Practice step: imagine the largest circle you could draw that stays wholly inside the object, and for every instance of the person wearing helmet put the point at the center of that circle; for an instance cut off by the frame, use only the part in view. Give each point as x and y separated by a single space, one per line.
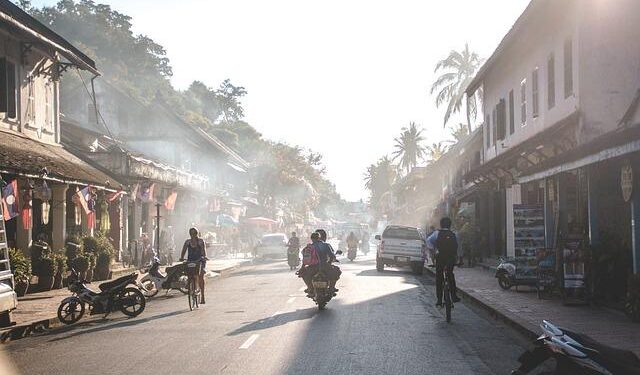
328 256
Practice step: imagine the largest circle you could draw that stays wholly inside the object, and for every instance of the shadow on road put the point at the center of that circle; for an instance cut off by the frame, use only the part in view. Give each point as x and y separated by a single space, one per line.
278 320
104 325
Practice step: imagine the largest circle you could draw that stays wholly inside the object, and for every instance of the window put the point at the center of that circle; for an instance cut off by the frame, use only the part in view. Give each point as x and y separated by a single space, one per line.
487 131
523 102
551 82
494 127
512 127
501 114
30 115
534 94
568 68
48 106
8 93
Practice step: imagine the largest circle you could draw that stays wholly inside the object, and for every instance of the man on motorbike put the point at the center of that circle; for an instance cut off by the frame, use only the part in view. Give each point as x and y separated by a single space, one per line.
196 252
326 250
352 241
294 242
445 244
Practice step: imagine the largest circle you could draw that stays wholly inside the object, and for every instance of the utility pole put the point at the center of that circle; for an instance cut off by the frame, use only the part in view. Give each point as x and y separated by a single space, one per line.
158 230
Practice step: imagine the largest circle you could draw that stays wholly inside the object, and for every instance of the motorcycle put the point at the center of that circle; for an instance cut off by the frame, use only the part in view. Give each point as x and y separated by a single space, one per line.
154 280
352 252
114 295
365 246
321 293
293 259
576 354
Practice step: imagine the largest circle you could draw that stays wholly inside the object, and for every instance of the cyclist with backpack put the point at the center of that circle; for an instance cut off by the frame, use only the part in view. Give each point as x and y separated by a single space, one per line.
445 243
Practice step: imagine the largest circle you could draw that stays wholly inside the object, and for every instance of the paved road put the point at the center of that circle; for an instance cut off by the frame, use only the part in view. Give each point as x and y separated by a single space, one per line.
257 321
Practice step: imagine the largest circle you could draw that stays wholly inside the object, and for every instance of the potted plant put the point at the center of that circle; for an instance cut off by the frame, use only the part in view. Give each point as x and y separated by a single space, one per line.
103 261
46 273
81 265
92 265
632 305
61 269
73 248
21 269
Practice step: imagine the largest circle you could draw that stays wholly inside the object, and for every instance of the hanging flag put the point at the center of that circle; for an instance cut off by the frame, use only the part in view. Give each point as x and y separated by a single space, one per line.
91 220
134 192
91 215
113 196
82 198
10 200
170 203
27 222
105 222
145 193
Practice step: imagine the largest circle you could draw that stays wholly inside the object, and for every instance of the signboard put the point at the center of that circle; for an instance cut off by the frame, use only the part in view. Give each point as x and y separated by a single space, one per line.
626 181
528 225
573 264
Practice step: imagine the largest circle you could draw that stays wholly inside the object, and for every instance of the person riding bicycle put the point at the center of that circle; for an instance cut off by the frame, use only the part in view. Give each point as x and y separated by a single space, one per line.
445 243
196 252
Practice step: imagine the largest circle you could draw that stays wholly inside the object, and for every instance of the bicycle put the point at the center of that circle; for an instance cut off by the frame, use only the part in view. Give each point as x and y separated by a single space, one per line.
193 294
447 295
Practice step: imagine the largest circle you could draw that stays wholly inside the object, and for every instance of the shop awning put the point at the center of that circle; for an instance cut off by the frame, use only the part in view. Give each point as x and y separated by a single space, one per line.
27 157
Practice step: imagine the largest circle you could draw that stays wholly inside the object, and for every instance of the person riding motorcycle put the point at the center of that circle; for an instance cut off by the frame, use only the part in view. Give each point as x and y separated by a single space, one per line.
352 241
333 272
196 252
445 243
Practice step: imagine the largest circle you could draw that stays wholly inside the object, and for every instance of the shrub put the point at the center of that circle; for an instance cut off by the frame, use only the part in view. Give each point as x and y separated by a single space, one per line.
92 260
103 260
81 263
60 261
47 266
97 244
20 266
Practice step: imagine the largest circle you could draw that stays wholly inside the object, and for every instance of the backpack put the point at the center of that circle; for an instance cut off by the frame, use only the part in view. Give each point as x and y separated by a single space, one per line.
310 255
447 245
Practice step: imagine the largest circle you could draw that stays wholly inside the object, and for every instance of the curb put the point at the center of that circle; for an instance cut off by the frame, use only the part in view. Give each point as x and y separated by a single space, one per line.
521 327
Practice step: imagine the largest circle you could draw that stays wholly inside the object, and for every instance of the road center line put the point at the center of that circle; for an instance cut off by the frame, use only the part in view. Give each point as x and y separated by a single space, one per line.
249 341
290 300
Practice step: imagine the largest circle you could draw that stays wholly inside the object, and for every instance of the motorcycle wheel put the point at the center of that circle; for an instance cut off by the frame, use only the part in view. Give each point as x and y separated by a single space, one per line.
504 282
148 288
132 302
70 311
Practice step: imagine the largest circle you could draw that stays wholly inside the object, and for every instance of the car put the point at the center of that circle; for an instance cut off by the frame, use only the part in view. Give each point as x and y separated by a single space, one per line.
401 246
272 246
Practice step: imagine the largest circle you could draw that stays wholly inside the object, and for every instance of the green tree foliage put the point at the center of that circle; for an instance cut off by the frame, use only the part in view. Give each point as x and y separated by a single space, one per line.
436 150
458 70
379 179
460 132
409 148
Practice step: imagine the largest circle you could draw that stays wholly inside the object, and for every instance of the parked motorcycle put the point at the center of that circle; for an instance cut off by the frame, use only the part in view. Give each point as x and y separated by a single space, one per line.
576 354
154 280
114 295
352 252
293 258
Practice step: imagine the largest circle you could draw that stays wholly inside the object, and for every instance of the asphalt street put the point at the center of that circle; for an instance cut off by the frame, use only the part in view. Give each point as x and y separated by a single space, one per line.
258 321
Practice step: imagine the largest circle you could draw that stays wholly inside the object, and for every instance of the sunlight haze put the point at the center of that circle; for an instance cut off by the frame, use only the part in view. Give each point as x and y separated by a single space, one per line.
338 77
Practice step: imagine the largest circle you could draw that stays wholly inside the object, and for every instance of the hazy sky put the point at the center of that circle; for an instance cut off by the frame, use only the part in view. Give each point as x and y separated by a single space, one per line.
340 77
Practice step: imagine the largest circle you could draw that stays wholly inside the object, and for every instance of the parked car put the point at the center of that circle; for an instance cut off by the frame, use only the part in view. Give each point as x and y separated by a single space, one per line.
401 246
272 246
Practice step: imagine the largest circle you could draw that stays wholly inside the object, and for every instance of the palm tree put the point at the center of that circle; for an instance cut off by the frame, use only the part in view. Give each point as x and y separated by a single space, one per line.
460 132
458 68
436 151
409 148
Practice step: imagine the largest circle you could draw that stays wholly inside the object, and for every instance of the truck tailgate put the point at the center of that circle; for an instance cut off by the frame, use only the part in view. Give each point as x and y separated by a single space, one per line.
400 247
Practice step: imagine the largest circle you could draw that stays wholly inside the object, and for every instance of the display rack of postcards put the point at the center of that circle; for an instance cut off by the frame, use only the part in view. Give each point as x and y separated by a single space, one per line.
529 236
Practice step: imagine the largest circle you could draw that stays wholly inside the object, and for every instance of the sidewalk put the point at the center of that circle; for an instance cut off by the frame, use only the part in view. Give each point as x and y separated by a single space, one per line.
525 311
38 311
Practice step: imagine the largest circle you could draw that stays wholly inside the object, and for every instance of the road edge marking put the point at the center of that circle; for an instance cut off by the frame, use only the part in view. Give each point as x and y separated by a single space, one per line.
247 344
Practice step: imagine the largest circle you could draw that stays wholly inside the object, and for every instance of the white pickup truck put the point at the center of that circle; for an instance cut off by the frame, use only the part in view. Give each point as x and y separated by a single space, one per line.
401 246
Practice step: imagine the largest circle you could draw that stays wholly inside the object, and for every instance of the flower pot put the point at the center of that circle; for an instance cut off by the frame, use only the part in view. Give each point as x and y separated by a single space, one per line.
57 281
21 289
45 283
101 273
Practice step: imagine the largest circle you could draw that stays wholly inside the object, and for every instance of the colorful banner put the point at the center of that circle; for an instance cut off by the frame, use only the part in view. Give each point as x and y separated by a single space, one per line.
170 202
10 200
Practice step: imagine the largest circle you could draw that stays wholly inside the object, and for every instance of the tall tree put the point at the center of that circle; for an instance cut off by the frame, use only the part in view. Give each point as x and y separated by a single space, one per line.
460 132
408 147
229 96
379 179
436 150
458 70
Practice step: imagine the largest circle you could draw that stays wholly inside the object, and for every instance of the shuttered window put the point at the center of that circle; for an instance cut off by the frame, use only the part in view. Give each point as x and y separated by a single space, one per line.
8 93
501 114
487 130
523 102
568 68
551 82
535 94
512 125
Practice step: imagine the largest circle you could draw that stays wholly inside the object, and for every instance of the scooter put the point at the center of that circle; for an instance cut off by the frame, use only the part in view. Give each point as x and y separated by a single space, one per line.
352 252
293 259
576 354
154 280
114 295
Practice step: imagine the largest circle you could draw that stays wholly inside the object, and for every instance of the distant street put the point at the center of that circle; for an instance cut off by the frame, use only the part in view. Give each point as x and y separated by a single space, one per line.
257 321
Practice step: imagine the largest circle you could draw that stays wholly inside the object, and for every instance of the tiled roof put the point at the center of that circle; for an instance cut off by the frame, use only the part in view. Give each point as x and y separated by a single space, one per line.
20 154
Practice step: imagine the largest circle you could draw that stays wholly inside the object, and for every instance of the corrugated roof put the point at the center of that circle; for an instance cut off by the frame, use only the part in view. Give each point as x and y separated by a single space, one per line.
22 155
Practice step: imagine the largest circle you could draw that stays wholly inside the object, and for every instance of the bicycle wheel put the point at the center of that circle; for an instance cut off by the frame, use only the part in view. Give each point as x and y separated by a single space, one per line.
447 301
191 292
196 295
